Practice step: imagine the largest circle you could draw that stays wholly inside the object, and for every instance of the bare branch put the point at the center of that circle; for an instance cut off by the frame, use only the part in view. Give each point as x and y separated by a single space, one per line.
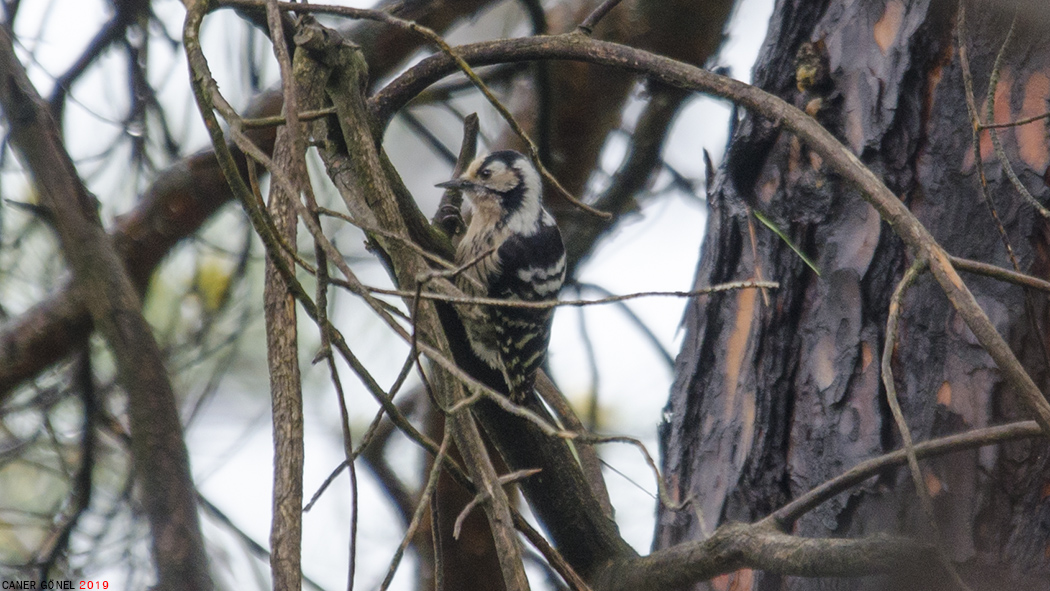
921 488
282 339
1017 123
734 546
588 24
481 498
732 286
421 507
661 486
1001 274
788 514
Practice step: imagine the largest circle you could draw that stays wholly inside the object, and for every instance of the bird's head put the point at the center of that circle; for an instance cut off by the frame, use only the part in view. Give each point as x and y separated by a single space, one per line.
506 180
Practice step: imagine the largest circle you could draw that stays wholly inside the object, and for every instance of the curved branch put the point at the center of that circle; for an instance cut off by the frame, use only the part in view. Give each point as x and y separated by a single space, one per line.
734 546
788 514
996 272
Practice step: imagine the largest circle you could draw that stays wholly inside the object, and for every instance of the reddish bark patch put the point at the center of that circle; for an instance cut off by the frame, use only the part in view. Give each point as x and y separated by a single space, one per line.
735 581
933 484
889 25
1032 138
944 394
737 349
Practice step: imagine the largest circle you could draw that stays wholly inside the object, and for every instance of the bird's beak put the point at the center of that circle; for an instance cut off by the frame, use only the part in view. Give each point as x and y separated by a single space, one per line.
460 184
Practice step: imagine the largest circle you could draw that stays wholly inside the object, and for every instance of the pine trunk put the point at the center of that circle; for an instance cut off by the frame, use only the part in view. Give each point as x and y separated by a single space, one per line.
773 397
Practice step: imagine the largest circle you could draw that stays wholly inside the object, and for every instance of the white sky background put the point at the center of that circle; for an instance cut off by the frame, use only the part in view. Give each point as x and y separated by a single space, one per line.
230 442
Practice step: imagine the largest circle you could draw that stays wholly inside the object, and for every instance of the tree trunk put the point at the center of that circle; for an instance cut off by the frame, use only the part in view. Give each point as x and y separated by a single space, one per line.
774 397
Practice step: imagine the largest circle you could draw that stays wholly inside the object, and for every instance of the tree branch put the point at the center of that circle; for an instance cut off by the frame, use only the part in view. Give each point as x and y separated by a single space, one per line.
734 546
282 338
788 514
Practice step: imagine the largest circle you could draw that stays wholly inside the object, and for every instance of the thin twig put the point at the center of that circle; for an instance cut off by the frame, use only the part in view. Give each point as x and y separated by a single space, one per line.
665 497
588 24
1018 123
254 547
348 450
417 518
325 484
276 120
638 322
435 540
971 106
373 428
1000 273
429 137
352 568
482 497
433 258
997 145
371 432
788 514
921 488
557 303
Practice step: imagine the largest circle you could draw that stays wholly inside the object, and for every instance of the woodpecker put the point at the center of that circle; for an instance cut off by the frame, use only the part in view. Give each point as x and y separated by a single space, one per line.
515 252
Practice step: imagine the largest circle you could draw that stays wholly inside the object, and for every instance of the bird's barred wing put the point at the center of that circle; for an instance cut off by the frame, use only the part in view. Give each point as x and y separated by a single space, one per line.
532 268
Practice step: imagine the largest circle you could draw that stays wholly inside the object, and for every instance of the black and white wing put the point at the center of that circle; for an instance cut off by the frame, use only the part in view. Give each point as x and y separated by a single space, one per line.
531 269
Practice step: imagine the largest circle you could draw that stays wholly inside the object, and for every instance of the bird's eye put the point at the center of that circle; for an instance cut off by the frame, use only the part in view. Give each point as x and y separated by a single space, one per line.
485 174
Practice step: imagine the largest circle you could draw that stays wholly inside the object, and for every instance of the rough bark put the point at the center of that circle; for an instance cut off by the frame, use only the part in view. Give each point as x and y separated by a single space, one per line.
771 400
282 337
